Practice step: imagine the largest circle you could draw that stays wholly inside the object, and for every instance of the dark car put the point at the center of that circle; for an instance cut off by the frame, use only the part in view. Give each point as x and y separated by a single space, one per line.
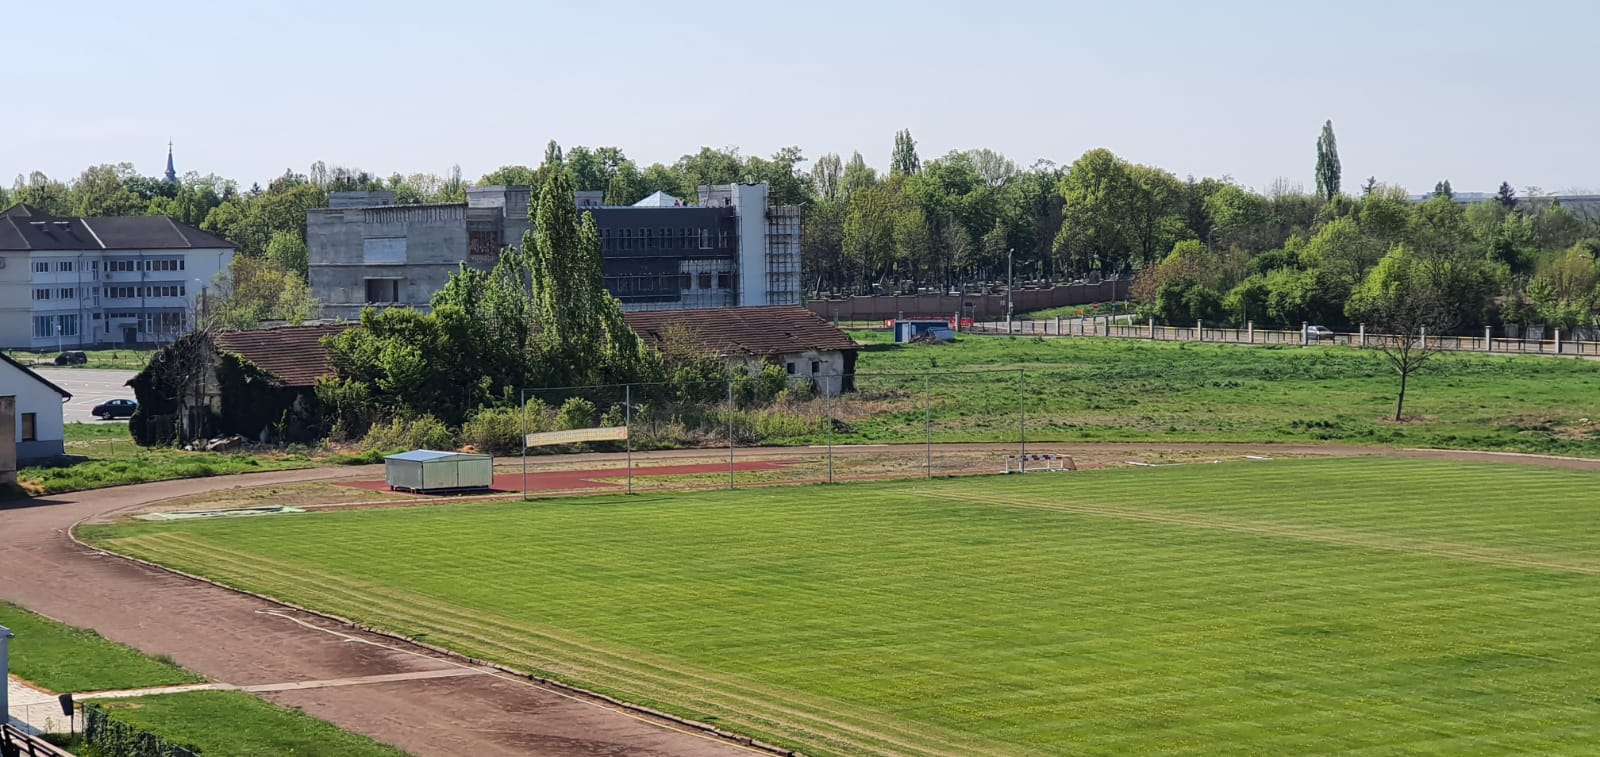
114 409
71 358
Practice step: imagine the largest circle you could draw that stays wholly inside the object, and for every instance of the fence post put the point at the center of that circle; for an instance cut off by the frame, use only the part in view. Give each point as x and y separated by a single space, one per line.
627 426
1305 339
1363 329
1488 341
5 669
523 394
1022 419
1058 325
1152 329
827 411
1200 331
730 430
1250 330
1558 341
927 420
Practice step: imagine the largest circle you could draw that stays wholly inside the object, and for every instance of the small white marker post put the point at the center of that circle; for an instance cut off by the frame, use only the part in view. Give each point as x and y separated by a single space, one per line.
5 673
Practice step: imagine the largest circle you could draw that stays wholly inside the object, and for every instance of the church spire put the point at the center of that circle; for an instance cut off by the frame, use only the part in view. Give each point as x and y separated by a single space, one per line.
172 175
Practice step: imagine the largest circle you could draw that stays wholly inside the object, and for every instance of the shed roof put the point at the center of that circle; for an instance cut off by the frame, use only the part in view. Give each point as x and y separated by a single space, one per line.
755 331
428 455
293 355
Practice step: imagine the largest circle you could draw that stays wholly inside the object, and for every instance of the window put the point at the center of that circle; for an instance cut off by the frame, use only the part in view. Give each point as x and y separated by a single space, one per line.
383 290
42 326
816 367
705 239
384 251
790 366
97 291
66 293
40 266
724 281
41 294
68 324
705 281
94 265
684 283
64 266
30 427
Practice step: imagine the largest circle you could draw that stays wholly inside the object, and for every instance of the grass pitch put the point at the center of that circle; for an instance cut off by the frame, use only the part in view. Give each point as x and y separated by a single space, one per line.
1263 607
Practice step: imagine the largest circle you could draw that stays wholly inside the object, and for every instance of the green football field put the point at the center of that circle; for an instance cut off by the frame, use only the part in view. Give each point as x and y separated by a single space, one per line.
1272 607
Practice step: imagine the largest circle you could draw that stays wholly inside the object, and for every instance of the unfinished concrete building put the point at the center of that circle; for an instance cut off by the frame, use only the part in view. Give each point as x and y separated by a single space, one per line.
662 253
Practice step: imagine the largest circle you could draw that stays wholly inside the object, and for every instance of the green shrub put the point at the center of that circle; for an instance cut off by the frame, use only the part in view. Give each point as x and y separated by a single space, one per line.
576 412
426 432
498 430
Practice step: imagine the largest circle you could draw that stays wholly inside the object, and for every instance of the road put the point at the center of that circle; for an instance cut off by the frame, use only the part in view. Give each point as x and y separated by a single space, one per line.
89 387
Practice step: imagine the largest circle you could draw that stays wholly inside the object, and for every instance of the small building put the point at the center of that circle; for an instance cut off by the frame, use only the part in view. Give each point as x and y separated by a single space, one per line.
790 336
257 383
906 331
425 471
36 431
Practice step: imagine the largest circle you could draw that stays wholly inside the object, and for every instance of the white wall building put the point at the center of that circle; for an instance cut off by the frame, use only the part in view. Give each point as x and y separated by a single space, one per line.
68 283
37 429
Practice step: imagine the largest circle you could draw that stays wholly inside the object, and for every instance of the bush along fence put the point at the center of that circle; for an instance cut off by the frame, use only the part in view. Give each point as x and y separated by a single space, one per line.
113 738
1150 330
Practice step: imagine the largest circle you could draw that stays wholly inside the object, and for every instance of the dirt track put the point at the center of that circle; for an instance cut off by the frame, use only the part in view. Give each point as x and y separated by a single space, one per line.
237 639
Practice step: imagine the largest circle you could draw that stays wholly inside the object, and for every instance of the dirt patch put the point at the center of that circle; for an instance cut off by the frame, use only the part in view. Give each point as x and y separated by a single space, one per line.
291 495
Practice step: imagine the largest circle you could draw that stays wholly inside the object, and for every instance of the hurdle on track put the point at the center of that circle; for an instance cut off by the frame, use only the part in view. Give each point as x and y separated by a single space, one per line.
1043 462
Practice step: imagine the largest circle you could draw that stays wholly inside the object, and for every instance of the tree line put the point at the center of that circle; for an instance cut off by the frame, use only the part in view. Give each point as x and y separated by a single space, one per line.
1204 249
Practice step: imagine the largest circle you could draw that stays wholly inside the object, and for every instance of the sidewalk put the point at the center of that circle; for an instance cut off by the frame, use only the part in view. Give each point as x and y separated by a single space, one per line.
33 710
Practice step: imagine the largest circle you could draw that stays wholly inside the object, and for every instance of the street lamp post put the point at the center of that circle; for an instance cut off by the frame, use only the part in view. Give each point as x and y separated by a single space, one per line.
5 669
1009 286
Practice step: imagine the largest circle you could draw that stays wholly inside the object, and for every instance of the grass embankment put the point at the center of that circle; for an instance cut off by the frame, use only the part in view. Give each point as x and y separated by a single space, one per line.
1265 607
1092 310
103 455
62 658
239 725
1126 390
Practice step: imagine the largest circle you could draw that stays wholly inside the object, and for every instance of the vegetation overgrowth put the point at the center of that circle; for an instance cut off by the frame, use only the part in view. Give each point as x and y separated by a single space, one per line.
238 725
1386 605
100 455
62 658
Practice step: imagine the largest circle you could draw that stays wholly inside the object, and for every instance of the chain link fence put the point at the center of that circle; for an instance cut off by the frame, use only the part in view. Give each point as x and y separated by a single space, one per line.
776 428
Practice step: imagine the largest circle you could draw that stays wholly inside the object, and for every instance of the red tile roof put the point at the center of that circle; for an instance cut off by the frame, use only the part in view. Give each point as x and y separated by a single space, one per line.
291 354
755 331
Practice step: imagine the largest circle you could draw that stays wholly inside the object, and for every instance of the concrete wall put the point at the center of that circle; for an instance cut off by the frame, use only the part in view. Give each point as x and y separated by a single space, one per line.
336 239
32 396
16 321
750 200
8 436
981 306
828 372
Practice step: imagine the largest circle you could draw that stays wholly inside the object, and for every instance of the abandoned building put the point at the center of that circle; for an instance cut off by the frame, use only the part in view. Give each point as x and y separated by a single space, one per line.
803 343
731 249
259 384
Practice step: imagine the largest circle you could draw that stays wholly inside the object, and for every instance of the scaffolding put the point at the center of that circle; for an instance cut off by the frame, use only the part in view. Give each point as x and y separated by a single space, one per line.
783 254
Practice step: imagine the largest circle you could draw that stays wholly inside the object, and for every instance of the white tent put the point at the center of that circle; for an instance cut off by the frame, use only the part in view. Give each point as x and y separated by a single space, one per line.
659 200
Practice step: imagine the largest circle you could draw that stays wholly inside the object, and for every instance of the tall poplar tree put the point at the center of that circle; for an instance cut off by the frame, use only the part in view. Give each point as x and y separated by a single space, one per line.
905 161
1327 164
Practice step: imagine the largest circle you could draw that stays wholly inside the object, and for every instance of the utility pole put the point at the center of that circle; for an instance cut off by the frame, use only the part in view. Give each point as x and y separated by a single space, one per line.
1009 286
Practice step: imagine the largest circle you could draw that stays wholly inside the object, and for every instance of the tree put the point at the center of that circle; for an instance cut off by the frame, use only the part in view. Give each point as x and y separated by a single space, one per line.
288 252
253 290
513 175
1327 164
1442 189
904 161
1399 297
1097 195
857 176
827 175
1507 197
869 233
1370 186
43 193
626 187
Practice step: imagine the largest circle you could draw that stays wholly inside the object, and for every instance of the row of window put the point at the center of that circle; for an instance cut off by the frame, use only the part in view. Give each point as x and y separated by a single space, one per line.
663 239
132 292
668 282
45 326
68 266
116 293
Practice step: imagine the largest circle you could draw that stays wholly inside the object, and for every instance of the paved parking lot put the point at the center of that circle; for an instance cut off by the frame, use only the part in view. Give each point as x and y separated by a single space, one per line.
89 387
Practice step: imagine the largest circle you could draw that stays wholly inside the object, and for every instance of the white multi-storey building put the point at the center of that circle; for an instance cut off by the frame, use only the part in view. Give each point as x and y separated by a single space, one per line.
79 282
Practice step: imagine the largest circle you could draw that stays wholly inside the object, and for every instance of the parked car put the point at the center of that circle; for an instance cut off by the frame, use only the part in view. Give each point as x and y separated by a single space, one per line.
71 358
1318 333
114 409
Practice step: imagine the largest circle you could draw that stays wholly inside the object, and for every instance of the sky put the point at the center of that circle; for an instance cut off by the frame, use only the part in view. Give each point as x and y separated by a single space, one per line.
1418 90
